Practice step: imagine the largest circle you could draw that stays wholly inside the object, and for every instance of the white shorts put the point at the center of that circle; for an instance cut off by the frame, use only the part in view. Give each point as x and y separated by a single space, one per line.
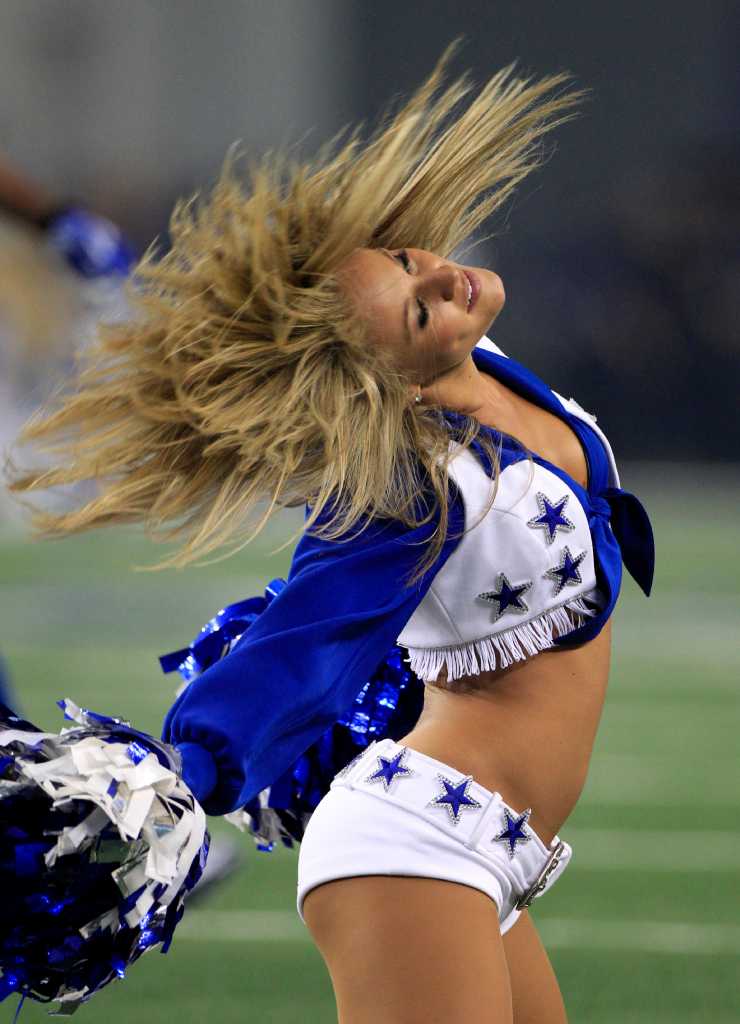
396 811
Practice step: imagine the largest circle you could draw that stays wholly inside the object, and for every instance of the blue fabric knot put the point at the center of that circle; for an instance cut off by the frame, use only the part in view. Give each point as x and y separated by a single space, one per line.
599 507
631 527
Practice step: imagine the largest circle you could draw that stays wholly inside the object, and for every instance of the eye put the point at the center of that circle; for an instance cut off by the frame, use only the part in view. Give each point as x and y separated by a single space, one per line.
403 256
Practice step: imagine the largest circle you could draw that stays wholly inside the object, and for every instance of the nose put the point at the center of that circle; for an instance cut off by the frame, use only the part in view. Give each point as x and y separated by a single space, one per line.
443 280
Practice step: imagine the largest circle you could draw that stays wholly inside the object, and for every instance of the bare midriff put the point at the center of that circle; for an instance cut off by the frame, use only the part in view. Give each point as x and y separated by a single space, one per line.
526 731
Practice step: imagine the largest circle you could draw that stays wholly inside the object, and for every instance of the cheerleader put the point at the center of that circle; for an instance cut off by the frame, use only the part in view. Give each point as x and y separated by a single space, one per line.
313 342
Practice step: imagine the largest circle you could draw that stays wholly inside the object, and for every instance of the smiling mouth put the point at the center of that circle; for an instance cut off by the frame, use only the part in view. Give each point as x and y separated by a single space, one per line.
474 288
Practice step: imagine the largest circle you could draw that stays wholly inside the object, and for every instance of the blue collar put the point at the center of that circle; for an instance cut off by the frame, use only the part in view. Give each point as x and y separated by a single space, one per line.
523 382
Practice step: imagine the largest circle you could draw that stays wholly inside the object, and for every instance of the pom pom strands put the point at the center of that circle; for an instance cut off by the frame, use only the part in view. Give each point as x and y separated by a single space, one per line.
100 842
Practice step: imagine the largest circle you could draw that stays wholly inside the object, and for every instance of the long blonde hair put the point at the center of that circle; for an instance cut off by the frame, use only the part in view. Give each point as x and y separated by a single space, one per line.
243 374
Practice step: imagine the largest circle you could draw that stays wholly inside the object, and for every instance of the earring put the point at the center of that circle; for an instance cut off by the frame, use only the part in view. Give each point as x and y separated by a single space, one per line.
417 398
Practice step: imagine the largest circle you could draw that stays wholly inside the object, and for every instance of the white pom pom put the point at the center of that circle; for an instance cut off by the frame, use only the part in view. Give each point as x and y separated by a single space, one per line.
131 788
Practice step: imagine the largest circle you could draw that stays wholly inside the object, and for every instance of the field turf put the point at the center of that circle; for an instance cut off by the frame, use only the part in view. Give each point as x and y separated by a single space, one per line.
644 928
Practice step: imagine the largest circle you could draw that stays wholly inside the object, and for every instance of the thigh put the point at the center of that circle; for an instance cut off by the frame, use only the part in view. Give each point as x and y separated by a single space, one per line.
410 950
535 993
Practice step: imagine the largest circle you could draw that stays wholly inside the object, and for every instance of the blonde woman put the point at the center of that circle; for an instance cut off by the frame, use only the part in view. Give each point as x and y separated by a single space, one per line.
313 342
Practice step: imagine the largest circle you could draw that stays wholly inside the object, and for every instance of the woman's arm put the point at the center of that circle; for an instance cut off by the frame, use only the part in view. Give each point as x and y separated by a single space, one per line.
300 665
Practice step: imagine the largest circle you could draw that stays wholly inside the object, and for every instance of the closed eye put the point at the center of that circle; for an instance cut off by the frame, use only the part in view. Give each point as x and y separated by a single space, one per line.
403 256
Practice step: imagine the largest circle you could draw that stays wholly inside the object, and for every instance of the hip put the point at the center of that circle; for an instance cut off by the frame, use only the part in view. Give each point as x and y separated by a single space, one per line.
396 811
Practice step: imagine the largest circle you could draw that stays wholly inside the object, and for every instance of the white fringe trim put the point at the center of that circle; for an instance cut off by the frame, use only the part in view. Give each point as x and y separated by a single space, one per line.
514 644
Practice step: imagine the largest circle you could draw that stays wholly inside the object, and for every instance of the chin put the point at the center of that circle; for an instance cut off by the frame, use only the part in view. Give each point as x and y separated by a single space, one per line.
497 288
497 299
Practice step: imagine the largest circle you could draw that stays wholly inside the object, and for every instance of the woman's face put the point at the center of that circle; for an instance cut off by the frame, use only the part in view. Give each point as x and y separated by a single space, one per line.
416 304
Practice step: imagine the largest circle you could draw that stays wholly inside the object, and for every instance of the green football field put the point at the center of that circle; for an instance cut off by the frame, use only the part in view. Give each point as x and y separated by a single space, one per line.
643 927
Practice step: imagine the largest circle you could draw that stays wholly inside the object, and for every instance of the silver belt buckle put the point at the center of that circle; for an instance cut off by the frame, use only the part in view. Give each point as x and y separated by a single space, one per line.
525 900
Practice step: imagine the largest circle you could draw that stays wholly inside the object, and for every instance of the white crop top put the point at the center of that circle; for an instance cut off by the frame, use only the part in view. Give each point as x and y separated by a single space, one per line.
540 564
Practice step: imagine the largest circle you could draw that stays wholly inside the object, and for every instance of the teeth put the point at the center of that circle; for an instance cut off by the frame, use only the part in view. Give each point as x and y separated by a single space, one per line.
470 292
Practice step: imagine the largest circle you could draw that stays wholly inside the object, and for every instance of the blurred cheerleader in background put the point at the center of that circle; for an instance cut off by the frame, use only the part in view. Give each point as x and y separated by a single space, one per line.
61 266
61 269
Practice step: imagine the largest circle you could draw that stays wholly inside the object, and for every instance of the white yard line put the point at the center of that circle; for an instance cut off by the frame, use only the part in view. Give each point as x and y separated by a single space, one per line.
242 926
645 779
640 936
652 850
604 849
557 933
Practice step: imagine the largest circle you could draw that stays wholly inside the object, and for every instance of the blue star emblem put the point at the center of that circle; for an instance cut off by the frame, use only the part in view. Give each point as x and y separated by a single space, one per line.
455 797
566 571
551 518
514 832
389 769
507 595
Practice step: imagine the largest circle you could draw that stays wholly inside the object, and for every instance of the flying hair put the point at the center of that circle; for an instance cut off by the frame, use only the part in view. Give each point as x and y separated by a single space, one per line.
242 381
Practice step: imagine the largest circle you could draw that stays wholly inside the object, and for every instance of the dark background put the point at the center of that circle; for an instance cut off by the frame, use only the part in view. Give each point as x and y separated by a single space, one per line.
620 257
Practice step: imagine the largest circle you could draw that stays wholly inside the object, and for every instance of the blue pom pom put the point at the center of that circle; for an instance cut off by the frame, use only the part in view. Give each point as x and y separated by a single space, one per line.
71 838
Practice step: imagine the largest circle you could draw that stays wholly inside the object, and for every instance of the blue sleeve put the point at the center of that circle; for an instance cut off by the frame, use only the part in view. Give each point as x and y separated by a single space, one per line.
301 664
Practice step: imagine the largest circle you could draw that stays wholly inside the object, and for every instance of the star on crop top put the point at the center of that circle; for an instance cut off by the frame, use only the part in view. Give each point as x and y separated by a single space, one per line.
566 571
551 518
507 595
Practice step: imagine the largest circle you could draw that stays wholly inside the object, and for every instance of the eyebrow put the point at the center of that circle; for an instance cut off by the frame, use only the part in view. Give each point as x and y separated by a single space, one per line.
406 331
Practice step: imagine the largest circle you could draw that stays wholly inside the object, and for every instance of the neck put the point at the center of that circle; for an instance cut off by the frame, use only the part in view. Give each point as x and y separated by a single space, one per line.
463 388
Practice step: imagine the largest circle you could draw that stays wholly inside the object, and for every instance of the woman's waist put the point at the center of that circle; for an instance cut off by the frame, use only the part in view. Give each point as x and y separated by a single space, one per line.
550 785
535 755
525 776
526 731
